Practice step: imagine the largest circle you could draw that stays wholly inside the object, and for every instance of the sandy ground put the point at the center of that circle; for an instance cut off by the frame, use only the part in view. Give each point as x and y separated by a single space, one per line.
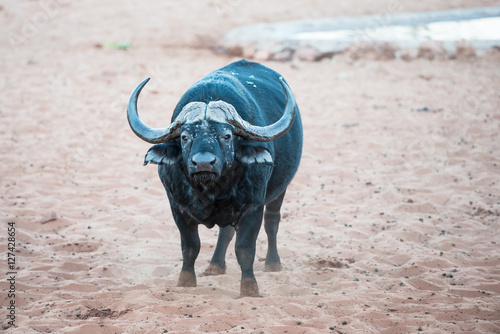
391 224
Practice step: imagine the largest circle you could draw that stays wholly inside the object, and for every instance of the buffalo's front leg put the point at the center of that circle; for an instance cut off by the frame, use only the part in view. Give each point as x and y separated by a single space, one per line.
246 236
218 263
190 243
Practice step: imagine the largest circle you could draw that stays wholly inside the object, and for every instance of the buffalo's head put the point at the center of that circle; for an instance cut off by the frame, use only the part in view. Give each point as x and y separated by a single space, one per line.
208 138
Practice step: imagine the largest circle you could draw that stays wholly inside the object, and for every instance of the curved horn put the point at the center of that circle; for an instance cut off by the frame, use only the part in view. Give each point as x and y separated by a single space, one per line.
146 133
270 132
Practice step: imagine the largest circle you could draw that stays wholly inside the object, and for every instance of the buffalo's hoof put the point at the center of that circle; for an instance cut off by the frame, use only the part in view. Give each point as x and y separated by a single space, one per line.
249 288
214 270
273 267
186 279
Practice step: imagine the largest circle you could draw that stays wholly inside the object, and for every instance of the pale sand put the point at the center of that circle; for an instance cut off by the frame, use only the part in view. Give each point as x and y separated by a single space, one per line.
386 202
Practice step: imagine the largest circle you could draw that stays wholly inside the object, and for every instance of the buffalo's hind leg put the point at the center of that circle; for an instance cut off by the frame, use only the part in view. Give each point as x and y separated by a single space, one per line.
271 224
218 263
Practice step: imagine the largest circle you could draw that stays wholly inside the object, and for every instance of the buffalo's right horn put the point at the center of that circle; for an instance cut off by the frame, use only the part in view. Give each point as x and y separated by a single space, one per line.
146 133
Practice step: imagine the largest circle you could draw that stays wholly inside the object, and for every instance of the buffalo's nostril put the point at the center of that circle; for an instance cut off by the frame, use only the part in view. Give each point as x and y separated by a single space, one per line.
203 162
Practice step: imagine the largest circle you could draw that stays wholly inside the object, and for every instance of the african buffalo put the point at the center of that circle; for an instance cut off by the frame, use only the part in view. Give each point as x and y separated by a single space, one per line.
232 148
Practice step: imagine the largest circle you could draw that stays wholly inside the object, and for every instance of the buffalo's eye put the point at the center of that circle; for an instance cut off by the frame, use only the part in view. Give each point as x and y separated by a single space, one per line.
185 138
227 136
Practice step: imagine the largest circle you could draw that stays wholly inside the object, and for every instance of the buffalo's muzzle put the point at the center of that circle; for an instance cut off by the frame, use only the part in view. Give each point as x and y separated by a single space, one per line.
203 162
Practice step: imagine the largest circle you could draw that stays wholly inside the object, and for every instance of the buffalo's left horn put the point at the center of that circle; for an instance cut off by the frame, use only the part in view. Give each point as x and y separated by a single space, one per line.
270 132
146 133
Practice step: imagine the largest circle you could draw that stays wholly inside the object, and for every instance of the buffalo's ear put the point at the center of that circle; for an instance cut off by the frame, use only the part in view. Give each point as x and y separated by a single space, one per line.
249 154
163 154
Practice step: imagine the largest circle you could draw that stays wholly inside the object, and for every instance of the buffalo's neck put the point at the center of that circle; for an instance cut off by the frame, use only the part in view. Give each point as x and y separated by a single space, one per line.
220 203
